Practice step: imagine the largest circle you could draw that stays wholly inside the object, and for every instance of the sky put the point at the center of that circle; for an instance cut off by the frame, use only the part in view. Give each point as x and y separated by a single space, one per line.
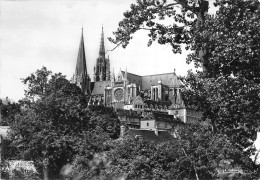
37 33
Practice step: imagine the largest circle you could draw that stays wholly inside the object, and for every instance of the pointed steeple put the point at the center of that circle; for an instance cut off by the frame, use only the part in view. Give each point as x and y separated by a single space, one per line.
81 67
102 45
102 72
81 77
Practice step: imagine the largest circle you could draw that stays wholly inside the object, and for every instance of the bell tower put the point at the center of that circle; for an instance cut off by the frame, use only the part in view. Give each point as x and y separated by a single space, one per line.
102 68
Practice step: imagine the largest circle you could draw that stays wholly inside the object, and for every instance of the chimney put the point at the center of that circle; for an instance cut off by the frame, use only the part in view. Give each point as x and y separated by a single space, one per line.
122 131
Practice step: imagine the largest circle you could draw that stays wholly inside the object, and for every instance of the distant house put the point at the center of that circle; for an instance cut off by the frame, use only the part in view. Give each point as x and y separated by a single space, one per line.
137 104
155 126
160 121
185 114
129 118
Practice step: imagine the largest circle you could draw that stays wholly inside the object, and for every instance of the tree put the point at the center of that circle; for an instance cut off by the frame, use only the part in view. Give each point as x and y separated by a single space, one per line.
44 133
185 17
230 104
204 152
105 118
223 44
37 83
8 112
232 38
55 126
199 154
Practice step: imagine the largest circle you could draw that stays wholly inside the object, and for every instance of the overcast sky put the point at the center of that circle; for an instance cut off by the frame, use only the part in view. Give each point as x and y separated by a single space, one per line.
35 33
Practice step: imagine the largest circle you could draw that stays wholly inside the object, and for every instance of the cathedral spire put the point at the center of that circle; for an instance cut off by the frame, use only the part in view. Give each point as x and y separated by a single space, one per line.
102 44
102 72
81 67
81 76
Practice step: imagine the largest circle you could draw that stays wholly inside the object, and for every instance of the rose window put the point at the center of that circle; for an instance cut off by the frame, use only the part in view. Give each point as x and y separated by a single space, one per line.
118 94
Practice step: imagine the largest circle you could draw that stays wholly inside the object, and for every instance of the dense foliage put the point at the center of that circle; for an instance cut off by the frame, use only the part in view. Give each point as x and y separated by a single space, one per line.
230 104
151 15
230 39
58 125
225 45
200 154
171 22
8 111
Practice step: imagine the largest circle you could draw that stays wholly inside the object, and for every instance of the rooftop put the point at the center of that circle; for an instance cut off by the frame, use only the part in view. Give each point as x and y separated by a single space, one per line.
162 117
123 112
169 79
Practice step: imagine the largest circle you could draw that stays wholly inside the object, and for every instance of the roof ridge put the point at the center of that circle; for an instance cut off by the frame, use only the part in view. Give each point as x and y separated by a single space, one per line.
131 73
150 74
159 74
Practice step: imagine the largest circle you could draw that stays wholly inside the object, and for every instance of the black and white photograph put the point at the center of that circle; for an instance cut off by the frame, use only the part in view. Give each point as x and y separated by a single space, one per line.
129 89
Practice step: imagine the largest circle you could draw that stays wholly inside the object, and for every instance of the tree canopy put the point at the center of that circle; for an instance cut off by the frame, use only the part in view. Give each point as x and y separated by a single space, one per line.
167 22
57 126
198 155
230 39
56 123
224 43
231 104
8 112
151 15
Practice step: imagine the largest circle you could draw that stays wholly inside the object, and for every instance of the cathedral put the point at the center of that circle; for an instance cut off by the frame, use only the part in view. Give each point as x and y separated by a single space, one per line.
126 91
